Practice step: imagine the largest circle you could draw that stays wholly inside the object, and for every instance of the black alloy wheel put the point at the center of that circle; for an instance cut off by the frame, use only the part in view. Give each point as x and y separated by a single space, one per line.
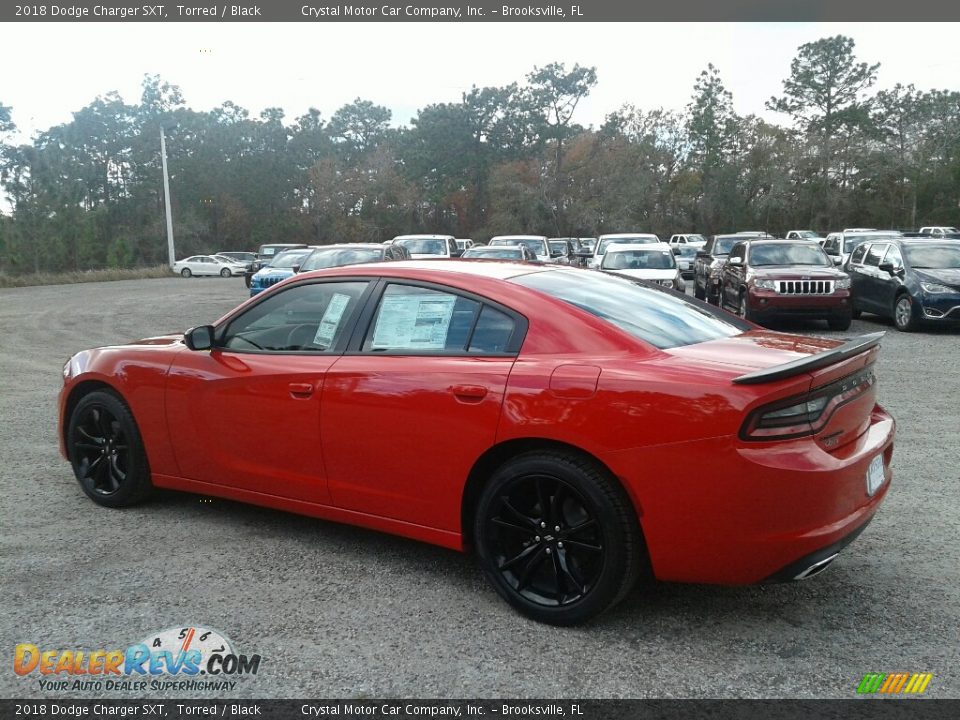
106 451
557 537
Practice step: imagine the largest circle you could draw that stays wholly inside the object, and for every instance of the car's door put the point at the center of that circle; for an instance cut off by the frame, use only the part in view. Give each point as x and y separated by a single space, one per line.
247 413
415 401
872 279
888 283
858 276
732 276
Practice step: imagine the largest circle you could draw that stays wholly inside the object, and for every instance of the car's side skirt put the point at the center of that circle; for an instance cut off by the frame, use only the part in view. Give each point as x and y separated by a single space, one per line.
444 538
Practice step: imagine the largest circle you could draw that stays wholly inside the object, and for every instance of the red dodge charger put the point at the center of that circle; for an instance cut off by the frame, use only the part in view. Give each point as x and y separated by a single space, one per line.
580 431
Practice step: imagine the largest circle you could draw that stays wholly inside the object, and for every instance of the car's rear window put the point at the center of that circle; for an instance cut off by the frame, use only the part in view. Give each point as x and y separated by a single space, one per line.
659 317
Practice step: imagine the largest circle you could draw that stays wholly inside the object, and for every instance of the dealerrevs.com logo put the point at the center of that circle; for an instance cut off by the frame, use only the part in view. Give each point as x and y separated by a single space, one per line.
894 683
183 658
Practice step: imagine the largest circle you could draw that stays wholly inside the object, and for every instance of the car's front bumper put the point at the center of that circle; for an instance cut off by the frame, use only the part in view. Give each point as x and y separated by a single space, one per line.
767 303
939 307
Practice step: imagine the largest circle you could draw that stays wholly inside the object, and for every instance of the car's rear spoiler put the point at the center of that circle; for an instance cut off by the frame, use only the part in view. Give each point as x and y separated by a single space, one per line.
813 362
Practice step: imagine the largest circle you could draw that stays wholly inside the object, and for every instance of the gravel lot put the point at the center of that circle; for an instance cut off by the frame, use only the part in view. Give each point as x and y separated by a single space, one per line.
342 612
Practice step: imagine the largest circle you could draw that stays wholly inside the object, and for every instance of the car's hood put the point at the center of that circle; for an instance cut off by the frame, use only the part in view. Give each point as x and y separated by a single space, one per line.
797 272
274 272
171 339
427 256
668 274
944 276
753 350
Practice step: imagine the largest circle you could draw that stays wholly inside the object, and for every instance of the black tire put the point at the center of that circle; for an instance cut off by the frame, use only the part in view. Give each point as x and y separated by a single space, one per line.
855 314
246 280
743 308
523 554
186 272
106 451
225 272
903 318
714 299
840 322
697 292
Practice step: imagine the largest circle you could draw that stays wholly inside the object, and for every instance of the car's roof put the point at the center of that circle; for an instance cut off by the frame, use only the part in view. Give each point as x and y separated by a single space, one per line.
498 248
351 246
496 271
627 235
926 242
518 237
424 237
645 247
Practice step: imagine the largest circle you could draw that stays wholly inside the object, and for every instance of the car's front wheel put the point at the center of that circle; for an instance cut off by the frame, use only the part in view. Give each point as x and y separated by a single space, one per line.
225 272
106 451
557 537
186 272
903 313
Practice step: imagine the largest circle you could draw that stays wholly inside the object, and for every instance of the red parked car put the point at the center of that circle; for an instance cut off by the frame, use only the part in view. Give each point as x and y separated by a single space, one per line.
764 280
585 431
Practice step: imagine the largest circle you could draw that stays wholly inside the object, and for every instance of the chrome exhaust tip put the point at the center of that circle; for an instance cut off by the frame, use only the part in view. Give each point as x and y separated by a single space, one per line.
817 568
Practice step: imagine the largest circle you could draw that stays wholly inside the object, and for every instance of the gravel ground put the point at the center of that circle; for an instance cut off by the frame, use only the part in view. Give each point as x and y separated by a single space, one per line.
337 611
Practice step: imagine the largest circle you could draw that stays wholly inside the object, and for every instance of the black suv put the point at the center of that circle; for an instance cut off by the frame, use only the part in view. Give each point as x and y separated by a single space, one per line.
265 254
708 264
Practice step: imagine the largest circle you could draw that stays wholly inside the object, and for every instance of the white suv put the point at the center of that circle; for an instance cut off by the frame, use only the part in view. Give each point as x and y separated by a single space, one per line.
537 244
688 239
604 241
423 247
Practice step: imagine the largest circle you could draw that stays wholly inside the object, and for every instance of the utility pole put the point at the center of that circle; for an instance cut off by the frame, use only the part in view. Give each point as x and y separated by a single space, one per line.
166 199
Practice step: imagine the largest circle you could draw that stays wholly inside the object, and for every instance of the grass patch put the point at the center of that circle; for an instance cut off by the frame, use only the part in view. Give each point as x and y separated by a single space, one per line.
81 276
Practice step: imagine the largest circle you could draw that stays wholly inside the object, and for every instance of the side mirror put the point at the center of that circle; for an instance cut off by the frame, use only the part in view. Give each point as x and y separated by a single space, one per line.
735 261
837 260
889 267
676 251
295 268
199 338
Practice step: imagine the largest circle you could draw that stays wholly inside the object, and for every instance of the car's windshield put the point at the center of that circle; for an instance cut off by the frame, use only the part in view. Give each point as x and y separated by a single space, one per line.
658 317
424 246
638 260
851 241
535 245
786 253
696 238
559 246
934 257
722 244
687 251
634 240
289 258
336 257
505 253
807 234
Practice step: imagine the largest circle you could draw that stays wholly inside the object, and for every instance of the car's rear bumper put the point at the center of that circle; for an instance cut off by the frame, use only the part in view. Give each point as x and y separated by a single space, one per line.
730 512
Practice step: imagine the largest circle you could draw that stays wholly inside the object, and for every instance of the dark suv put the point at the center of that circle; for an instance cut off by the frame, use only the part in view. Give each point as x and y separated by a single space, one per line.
767 279
912 281
707 265
265 254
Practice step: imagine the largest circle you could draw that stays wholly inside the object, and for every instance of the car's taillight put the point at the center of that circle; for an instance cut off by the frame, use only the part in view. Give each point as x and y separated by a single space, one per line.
805 415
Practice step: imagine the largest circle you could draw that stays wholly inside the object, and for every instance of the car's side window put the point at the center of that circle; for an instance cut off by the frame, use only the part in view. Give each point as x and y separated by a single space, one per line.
418 320
304 318
738 251
875 253
894 257
858 253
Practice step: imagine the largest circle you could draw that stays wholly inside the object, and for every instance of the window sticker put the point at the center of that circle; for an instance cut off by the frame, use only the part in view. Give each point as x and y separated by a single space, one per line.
413 322
331 320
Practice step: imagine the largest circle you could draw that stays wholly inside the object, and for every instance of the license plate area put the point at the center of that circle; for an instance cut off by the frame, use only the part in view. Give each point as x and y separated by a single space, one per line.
875 475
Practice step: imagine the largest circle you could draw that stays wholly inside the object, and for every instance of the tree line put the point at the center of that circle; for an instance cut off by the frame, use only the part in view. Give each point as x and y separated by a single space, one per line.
89 193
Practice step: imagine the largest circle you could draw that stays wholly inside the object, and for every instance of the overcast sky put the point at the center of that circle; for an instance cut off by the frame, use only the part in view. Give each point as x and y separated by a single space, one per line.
61 67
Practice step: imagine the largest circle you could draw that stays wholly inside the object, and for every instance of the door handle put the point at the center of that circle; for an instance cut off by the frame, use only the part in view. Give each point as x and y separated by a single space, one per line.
301 390
469 393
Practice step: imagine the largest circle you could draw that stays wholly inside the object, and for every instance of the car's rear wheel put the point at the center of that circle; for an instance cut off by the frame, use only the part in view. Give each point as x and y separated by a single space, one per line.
186 272
903 313
106 451
557 537
225 272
